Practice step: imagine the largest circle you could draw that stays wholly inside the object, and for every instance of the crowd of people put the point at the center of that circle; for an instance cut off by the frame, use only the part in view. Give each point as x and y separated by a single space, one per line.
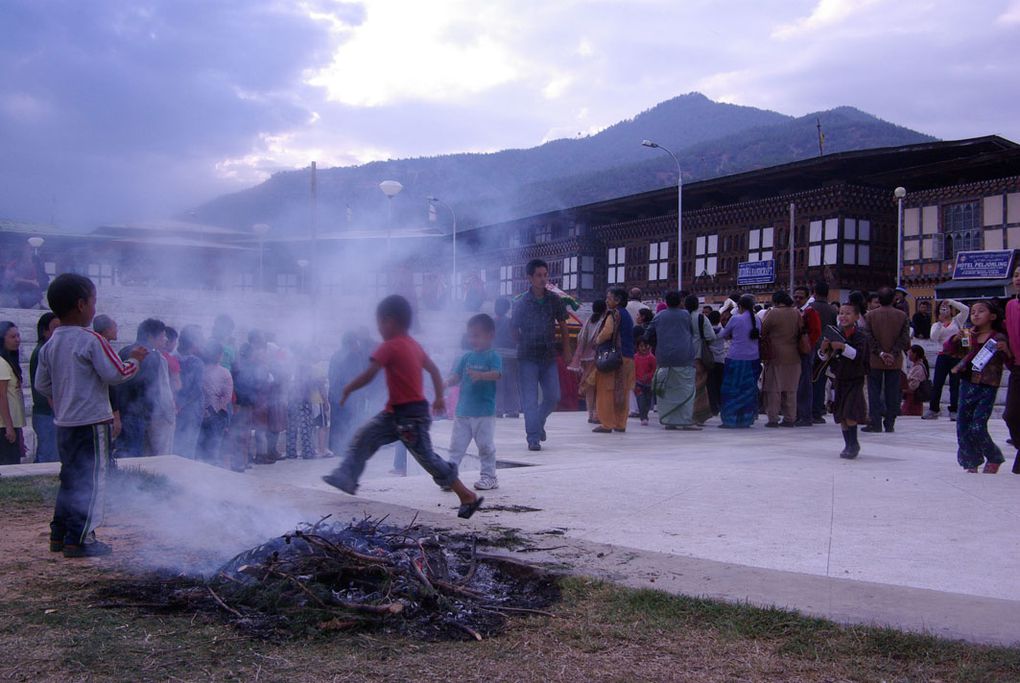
794 359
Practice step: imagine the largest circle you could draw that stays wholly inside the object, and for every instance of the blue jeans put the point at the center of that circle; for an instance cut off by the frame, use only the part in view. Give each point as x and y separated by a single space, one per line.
45 438
536 374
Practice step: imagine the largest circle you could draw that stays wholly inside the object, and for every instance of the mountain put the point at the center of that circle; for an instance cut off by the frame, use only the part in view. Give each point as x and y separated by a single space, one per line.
709 138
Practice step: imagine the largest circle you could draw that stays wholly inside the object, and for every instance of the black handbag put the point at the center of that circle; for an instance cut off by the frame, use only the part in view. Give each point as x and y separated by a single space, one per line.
608 356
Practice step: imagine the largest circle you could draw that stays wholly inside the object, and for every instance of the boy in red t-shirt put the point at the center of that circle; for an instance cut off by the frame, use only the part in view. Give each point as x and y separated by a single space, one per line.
406 416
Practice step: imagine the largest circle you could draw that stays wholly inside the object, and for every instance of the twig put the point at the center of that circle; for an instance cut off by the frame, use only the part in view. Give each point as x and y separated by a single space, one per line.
474 564
525 610
223 604
477 636
321 520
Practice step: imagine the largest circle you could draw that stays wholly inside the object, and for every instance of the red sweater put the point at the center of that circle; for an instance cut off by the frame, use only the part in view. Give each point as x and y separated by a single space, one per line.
644 368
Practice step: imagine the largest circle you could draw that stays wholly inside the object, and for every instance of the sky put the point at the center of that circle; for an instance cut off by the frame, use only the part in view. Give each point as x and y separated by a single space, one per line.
116 111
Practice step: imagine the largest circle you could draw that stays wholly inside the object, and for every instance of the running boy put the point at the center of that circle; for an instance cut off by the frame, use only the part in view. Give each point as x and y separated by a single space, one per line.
477 372
406 416
850 369
76 368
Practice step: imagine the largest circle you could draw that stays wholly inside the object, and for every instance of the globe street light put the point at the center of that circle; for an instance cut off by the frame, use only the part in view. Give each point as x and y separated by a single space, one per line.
679 213
35 243
390 188
260 230
899 193
436 200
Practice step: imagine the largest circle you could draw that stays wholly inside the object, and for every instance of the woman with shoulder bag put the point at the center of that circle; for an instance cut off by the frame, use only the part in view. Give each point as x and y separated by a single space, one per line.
740 375
614 363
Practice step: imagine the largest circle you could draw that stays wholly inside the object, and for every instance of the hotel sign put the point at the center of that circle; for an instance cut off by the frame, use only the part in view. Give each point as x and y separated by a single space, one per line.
756 272
983 265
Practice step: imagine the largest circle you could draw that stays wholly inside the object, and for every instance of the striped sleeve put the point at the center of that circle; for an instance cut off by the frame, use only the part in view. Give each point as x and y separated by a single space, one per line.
107 363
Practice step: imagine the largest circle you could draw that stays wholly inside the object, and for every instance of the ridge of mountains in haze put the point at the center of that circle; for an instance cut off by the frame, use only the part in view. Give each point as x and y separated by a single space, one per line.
710 139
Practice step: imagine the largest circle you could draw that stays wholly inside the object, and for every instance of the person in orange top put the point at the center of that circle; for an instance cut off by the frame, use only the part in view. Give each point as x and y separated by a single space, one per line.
406 416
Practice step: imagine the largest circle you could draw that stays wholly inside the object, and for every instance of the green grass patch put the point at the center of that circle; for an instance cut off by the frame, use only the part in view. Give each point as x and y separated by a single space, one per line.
29 491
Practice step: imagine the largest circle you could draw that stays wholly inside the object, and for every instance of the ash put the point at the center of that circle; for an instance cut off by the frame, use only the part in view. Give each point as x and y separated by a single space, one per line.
367 575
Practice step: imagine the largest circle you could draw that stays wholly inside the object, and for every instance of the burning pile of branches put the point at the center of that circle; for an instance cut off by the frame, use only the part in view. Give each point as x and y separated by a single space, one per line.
338 577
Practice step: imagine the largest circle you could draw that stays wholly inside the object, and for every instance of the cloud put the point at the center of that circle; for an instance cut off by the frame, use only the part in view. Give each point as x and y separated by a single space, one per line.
119 109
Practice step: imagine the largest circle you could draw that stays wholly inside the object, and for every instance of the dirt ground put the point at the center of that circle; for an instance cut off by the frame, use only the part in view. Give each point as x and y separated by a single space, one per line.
52 628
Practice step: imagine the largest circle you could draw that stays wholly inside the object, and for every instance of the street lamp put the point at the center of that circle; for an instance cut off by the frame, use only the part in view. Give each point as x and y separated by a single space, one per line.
302 264
679 213
390 188
899 193
35 243
436 200
260 230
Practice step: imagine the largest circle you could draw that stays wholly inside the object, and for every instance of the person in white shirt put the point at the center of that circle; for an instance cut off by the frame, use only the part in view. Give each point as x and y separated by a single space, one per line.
951 320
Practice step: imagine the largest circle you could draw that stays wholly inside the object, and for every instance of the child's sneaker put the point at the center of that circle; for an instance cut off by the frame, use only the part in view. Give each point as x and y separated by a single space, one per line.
338 480
93 549
486 484
644 423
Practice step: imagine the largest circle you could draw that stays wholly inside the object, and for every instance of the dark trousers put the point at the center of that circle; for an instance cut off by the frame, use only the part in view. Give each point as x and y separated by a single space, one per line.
186 433
45 438
644 400
408 424
943 364
508 390
210 437
10 453
715 378
84 460
131 442
818 396
805 389
883 396
1012 413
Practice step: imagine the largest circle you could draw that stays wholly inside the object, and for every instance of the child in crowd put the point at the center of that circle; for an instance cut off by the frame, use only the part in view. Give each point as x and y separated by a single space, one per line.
217 393
644 373
406 416
980 374
76 368
850 370
477 373
107 328
913 403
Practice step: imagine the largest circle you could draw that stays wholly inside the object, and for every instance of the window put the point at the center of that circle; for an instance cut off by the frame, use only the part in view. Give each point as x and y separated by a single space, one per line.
587 272
543 234
506 280
100 273
617 263
244 282
658 261
287 283
856 242
962 227
569 280
760 244
823 242
706 253
51 268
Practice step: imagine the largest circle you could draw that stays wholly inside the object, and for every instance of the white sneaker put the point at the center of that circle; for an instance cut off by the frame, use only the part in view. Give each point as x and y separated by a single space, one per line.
930 415
486 484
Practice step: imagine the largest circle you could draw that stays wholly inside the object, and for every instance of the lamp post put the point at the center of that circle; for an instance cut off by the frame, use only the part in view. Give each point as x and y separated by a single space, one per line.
302 264
260 230
679 213
899 193
35 243
436 200
390 188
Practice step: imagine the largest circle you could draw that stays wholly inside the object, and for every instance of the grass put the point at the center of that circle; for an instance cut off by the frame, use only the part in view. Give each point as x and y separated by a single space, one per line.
52 629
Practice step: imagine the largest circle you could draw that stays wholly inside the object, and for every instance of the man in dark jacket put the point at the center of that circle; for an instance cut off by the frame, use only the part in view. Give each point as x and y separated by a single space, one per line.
889 331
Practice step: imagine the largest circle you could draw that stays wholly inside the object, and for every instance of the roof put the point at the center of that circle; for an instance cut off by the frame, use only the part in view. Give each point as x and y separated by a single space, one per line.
923 165
969 288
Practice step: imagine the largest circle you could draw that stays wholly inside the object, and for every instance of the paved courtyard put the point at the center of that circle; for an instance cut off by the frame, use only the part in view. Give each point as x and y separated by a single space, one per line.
901 536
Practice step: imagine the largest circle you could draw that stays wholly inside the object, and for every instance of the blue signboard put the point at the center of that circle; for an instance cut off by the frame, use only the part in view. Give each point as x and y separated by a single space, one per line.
985 265
756 272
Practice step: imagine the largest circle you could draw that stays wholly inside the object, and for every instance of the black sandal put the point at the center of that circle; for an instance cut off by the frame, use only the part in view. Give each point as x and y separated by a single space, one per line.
468 509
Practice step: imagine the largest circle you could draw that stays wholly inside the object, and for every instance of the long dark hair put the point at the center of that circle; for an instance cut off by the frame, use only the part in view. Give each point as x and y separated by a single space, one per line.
746 303
12 357
918 351
44 324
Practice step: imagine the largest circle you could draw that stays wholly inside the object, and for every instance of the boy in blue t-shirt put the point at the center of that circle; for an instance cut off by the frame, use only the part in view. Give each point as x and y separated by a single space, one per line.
477 373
